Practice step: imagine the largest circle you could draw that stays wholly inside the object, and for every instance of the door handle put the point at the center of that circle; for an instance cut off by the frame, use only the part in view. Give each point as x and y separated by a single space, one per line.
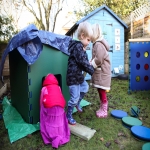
110 24
111 47
110 51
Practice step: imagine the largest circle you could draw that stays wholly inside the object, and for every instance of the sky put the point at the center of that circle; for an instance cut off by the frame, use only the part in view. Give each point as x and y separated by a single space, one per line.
69 6
25 17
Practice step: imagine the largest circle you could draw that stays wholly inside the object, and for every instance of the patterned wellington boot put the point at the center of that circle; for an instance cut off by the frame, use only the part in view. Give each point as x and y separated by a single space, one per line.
69 116
102 112
100 109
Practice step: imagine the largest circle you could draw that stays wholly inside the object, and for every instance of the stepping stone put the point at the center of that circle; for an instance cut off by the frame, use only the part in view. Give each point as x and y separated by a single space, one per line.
82 131
134 111
119 114
131 121
146 146
141 132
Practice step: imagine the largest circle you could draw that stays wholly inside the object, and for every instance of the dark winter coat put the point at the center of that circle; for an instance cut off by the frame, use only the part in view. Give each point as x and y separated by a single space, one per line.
77 62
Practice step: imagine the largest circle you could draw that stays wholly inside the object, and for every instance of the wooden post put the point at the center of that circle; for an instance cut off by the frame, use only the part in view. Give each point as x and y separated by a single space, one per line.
131 17
143 26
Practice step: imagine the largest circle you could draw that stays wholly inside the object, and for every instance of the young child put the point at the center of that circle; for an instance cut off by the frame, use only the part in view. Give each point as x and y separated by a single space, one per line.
77 63
53 122
101 78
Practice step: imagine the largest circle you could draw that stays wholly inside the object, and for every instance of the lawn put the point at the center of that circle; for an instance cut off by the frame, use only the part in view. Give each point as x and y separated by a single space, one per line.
110 133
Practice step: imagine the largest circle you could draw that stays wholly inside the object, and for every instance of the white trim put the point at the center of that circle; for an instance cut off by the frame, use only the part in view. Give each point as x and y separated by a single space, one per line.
94 64
140 40
98 86
98 69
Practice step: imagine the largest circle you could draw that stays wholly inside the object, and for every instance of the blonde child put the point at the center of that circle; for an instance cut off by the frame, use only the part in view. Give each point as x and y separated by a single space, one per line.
77 63
101 78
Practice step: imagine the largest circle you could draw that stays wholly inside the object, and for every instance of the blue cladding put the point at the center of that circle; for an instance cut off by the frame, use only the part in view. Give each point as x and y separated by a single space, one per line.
139 66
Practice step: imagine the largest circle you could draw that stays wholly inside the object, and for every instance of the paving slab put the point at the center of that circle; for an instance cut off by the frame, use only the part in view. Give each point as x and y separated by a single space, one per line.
82 131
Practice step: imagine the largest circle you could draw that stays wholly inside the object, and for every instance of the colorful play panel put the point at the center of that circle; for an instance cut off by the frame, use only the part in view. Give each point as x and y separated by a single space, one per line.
146 146
119 114
131 121
141 132
139 71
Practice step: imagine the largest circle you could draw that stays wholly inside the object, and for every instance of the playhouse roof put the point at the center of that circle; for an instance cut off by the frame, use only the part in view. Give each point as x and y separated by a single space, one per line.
74 27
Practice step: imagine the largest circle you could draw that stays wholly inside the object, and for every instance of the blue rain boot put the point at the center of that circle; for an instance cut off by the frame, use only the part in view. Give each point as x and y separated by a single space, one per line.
78 107
69 116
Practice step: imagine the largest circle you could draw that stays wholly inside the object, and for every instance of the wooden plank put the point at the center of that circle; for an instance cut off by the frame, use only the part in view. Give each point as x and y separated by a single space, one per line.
3 89
82 131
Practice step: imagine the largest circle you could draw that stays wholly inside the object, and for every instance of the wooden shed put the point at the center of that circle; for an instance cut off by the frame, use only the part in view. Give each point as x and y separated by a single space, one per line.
113 30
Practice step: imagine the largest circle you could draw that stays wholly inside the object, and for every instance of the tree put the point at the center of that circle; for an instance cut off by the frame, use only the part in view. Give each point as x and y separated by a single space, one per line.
121 7
6 29
12 9
45 12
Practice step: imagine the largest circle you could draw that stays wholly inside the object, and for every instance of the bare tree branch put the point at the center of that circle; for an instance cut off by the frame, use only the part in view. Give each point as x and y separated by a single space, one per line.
55 17
40 13
47 10
34 14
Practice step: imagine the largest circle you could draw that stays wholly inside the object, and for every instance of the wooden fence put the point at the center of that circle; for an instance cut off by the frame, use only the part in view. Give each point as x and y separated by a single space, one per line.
6 65
138 23
138 27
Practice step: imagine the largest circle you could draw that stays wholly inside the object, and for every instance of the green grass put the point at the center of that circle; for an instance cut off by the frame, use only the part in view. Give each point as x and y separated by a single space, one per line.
111 130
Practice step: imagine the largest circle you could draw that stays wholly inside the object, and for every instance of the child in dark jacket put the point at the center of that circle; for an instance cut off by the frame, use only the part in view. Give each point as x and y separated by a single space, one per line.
53 122
77 63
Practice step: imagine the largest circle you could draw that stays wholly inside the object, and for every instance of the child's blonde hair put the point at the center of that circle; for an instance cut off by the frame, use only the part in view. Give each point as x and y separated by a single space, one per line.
86 29
97 33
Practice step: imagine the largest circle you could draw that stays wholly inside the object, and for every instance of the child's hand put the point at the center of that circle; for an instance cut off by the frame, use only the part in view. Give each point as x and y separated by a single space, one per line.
84 48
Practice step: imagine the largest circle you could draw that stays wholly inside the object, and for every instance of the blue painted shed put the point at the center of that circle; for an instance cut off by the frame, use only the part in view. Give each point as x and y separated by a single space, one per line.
113 30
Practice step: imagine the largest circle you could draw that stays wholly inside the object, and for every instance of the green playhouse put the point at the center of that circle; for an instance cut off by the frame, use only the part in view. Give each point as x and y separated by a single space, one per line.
34 55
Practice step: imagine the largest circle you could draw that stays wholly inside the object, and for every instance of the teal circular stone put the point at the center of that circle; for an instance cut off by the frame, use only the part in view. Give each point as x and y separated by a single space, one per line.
146 146
134 111
131 121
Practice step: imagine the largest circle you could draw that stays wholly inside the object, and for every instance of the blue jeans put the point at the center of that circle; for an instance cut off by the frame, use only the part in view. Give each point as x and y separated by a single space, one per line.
75 91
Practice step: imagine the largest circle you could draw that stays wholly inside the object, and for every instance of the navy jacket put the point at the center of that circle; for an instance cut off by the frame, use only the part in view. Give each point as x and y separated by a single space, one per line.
77 62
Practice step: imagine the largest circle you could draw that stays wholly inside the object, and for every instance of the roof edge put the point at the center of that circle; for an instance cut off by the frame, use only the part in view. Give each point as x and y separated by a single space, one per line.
92 13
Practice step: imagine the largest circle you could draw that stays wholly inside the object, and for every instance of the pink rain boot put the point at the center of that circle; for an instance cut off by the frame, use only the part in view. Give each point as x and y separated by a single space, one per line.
102 112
